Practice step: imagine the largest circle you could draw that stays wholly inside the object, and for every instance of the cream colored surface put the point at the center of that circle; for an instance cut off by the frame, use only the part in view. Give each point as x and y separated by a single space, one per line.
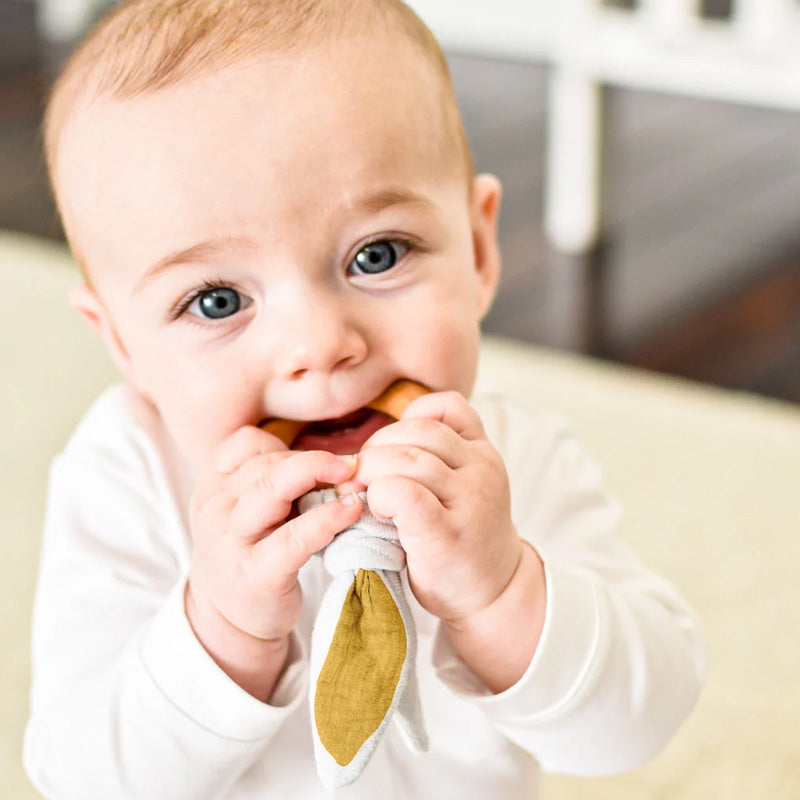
708 479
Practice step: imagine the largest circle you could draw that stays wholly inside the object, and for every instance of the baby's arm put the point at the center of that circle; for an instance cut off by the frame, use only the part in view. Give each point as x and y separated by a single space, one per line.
243 599
591 661
444 484
126 703
621 658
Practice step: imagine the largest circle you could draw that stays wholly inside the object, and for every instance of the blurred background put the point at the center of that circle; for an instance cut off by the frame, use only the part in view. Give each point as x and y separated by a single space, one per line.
649 152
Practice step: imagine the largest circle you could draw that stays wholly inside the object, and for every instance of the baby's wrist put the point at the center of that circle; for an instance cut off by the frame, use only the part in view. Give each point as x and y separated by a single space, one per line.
254 664
498 641
494 594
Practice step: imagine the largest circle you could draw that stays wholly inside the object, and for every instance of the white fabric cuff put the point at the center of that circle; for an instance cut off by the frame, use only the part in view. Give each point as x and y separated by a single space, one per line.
570 653
191 680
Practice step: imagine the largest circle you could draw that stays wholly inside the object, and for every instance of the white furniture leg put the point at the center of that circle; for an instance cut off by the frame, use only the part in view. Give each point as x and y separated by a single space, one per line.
572 182
64 21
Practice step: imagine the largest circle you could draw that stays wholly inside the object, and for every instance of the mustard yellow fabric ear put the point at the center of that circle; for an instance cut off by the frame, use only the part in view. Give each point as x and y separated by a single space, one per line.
362 664
359 677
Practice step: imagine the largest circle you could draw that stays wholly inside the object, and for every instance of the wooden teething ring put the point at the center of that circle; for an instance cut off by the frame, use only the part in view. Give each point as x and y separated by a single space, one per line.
392 401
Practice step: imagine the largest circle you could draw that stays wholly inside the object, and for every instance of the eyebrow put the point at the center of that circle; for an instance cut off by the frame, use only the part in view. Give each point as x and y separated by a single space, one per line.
202 251
210 248
385 198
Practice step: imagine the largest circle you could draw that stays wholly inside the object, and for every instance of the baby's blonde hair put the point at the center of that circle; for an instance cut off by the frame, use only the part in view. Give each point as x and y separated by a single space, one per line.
145 45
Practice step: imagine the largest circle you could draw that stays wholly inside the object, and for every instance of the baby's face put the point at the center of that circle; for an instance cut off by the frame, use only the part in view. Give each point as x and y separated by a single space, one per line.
284 238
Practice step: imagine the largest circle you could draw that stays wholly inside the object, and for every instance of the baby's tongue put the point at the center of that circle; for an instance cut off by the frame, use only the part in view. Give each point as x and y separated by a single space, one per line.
342 435
352 420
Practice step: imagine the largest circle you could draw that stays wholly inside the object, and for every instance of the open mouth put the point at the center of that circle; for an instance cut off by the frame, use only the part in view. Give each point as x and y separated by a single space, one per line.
340 424
341 435
346 434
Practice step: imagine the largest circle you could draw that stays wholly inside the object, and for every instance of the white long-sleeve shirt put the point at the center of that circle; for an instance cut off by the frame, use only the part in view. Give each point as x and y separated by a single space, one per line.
126 703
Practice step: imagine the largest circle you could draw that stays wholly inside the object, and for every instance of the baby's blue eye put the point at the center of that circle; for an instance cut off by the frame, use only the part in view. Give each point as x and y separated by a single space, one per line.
216 303
377 257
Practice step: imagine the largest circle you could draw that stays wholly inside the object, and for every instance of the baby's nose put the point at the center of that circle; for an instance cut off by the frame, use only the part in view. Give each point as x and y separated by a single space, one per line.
324 337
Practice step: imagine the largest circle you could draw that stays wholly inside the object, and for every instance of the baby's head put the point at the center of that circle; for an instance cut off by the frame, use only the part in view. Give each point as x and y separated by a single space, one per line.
274 207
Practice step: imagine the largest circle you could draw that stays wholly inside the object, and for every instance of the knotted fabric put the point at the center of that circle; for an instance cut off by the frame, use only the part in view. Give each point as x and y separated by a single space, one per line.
363 649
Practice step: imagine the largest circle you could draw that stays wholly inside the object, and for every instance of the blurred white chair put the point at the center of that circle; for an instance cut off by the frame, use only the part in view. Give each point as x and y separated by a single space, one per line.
64 21
661 45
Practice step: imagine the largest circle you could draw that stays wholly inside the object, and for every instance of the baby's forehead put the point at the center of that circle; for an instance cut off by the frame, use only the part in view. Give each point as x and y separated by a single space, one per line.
146 45
382 53
324 97
379 70
362 91
321 140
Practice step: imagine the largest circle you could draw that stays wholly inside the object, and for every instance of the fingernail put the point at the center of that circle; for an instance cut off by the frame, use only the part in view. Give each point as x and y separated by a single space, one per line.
351 459
349 486
350 499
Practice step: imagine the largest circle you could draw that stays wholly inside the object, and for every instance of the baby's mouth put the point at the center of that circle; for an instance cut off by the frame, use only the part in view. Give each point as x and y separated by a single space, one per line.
345 434
339 424
341 435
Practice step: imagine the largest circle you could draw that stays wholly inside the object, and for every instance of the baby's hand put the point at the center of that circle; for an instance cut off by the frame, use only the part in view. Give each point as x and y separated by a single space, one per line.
243 587
446 488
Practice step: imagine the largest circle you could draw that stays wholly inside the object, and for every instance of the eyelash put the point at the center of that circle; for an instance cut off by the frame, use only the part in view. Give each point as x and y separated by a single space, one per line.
182 306
409 245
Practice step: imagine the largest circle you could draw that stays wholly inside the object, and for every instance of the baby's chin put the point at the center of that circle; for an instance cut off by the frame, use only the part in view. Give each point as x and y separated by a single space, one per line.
343 436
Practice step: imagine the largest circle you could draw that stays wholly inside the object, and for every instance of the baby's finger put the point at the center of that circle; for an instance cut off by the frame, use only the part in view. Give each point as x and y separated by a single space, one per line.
426 434
268 499
407 461
450 408
213 514
412 506
286 550
250 470
244 444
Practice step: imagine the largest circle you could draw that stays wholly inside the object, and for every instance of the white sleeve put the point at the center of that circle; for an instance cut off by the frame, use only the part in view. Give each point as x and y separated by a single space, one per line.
621 658
125 701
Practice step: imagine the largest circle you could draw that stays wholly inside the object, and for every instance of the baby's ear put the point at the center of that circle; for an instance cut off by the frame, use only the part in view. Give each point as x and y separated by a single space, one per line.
85 301
486 195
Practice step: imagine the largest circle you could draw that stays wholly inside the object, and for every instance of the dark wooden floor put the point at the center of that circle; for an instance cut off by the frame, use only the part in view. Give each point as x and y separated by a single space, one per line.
699 272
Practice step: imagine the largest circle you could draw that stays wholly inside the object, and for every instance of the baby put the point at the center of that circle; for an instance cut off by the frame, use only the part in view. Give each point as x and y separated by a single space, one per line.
276 214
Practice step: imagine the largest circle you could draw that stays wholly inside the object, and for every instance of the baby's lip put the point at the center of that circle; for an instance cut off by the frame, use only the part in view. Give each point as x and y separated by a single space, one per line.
347 419
351 426
341 435
344 434
351 420
327 422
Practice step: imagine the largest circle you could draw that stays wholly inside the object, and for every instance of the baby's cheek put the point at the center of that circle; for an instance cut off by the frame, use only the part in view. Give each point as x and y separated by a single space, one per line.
447 354
198 433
